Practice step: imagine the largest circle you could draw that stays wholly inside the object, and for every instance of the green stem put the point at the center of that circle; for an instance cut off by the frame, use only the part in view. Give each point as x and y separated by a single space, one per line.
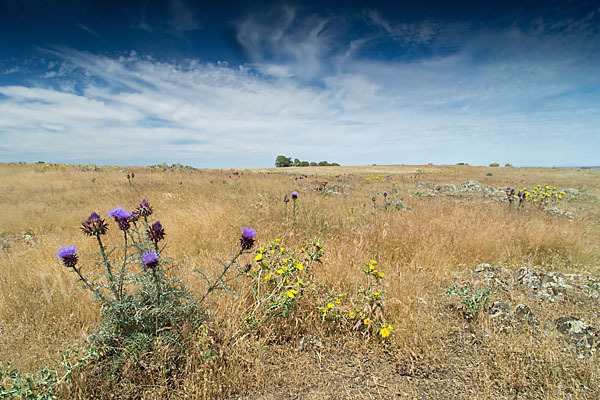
90 287
215 283
158 293
108 267
294 209
122 271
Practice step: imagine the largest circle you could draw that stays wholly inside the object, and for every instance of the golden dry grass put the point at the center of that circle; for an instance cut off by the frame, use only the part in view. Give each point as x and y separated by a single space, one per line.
422 252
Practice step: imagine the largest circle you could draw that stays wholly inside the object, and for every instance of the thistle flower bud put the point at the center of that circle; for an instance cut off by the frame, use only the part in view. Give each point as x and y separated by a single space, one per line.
94 225
156 232
144 209
68 255
286 198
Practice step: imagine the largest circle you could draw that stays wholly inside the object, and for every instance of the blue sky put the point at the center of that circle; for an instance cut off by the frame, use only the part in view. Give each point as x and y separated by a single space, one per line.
234 84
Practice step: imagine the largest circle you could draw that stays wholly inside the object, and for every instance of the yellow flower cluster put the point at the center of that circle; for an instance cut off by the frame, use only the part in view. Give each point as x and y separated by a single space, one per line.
541 194
277 276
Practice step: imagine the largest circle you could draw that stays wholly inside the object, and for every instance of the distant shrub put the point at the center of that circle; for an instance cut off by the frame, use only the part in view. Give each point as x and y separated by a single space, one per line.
508 165
494 165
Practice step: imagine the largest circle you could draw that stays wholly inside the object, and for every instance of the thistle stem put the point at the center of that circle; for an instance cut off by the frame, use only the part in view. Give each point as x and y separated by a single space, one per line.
90 287
108 267
122 271
215 283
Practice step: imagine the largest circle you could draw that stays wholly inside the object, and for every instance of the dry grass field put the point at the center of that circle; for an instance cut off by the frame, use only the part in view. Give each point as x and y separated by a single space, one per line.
441 347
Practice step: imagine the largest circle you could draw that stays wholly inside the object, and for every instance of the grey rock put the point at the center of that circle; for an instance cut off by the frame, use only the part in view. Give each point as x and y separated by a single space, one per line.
573 327
424 184
523 313
559 213
582 336
484 267
470 186
499 309
548 286
308 342
446 187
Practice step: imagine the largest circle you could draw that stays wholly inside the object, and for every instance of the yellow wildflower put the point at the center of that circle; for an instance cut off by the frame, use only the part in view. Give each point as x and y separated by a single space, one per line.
258 257
329 305
385 332
292 293
373 262
351 315
268 276
338 301
262 249
300 266
321 251
381 274
280 271
272 251
366 321
376 294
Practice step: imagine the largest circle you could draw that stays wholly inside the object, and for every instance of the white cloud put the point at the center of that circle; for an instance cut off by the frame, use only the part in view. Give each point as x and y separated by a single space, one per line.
309 94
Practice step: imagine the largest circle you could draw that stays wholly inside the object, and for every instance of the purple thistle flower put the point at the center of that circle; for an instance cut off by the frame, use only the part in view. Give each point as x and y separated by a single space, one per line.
121 217
94 225
150 259
156 232
95 216
294 195
285 198
385 194
247 240
68 255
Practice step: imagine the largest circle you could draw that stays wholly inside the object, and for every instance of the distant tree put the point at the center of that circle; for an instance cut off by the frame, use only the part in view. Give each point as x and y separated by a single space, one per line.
304 163
283 161
313 164
323 164
296 162
508 165
494 165
334 164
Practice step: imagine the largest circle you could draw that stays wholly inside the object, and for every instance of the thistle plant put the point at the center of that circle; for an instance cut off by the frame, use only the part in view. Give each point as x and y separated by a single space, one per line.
294 196
140 303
